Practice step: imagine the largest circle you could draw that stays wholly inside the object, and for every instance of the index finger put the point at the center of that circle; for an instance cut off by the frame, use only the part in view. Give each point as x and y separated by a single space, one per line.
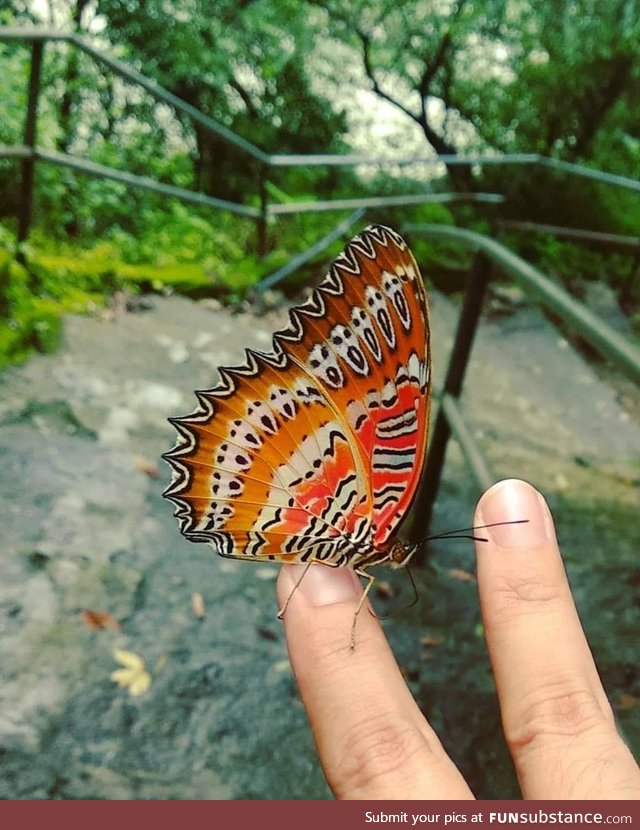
372 739
556 716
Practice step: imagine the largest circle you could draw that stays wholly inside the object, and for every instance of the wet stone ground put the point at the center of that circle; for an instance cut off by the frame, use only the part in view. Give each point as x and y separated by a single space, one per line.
85 527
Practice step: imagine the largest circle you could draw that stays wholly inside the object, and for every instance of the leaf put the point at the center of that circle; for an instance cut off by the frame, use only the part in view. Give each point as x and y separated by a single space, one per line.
128 658
384 589
430 640
197 605
627 701
96 620
140 684
147 467
460 575
134 675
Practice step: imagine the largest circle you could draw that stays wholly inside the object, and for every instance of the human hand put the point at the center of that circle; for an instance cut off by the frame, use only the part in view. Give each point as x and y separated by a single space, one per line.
373 741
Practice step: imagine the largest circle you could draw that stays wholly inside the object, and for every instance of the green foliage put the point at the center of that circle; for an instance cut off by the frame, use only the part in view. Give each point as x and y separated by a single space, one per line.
572 78
574 265
29 322
246 65
187 250
280 75
557 198
14 61
178 250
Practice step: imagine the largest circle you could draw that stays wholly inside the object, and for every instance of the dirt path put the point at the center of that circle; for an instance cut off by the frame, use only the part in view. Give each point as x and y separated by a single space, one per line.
85 527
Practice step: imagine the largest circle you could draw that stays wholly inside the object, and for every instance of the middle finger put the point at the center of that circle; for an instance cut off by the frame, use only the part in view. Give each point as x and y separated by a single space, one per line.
556 717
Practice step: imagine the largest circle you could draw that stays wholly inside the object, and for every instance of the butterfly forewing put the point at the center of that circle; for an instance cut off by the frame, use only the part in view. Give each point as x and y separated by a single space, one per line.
314 451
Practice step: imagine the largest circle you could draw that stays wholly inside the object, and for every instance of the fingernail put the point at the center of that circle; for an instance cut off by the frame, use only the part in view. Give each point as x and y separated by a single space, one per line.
515 501
322 585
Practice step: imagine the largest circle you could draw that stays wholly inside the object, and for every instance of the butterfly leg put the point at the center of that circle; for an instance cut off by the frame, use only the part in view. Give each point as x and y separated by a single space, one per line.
295 588
370 580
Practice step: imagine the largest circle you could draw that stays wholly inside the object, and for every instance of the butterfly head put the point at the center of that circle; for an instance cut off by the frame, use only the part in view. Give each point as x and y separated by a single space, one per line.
401 552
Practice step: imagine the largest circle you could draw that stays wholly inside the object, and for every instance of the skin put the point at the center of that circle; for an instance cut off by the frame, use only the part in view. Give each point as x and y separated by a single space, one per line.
373 741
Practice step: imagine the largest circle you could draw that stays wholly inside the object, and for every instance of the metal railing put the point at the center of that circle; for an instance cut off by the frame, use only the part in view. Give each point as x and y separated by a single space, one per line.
595 239
489 256
489 253
29 153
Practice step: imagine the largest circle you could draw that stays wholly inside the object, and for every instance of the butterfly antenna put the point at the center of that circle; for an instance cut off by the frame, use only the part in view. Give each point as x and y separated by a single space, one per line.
467 532
415 589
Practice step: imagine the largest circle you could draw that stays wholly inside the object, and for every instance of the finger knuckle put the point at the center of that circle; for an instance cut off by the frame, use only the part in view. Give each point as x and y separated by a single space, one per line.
374 750
555 712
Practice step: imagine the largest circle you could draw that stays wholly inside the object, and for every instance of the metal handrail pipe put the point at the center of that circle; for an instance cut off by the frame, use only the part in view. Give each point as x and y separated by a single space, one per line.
355 159
609 343
16 152
126 71
306 256
30 34
613 240
317 160
161 94
468 444
589 173
91 168
383 201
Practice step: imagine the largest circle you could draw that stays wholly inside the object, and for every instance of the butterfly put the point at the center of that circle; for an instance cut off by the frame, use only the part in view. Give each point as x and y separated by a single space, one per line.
313 452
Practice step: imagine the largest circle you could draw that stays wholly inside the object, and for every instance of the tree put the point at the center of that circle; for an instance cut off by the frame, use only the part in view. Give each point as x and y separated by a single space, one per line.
500 75
415 53
242 63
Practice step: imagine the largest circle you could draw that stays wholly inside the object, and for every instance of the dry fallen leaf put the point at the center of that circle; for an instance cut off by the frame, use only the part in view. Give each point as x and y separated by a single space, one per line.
96 620
134 675
384 589
627 701
197 605
431 640
461 576
147 467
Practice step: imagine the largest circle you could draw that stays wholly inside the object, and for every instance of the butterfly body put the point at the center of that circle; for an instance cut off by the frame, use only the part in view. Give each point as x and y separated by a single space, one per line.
312 453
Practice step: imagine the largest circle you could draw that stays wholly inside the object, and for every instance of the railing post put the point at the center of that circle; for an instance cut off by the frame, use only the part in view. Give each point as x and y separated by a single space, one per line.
467 325
262 219
628 289
28 164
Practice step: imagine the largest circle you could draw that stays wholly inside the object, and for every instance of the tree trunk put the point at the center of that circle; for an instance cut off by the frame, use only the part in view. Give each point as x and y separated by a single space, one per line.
461 176
596 107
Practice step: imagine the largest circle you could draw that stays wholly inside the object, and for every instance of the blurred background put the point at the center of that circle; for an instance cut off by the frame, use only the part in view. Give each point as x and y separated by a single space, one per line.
172 176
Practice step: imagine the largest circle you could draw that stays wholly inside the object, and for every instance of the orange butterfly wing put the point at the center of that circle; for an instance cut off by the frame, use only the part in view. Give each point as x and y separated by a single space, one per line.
314 451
